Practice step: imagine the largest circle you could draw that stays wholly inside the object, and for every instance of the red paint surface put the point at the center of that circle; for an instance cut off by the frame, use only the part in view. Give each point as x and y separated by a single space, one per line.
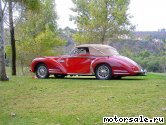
85 64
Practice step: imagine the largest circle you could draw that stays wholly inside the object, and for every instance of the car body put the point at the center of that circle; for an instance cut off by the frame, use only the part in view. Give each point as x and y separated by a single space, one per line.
102 61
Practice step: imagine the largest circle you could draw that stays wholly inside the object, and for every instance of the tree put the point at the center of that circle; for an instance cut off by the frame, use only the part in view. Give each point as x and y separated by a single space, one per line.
3 76
29 4
42 45
101 20
12 37
36 34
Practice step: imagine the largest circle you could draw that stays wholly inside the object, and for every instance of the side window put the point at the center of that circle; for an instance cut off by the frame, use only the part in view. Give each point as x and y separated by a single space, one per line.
74 52
80 51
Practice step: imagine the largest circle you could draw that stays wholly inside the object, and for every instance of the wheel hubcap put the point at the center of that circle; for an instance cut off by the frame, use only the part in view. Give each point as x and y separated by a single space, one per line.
103 72
42 71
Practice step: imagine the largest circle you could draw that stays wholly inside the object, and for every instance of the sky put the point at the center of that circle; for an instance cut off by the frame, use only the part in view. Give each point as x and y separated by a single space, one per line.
147 15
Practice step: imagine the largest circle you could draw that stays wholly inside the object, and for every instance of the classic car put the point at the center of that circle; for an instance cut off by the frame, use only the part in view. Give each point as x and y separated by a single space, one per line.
98 60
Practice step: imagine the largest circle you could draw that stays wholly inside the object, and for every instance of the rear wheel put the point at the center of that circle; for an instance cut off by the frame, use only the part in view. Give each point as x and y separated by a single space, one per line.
103 72
42 71
60 76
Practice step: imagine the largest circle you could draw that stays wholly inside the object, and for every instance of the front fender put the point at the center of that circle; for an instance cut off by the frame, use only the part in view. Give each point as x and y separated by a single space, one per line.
54 67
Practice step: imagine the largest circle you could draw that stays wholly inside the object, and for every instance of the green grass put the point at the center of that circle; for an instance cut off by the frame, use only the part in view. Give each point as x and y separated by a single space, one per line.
80 100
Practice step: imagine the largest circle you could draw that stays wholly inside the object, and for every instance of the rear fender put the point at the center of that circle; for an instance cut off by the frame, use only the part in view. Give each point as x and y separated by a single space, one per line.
99 61
111 62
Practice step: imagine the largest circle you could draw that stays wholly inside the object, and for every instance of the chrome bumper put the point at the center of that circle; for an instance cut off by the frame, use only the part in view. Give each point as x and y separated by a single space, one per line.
142 72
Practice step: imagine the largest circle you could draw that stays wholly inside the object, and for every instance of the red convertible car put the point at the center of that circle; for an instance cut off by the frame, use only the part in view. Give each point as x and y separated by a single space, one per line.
102 61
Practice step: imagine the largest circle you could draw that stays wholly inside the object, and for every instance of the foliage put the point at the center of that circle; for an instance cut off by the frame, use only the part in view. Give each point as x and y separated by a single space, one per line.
42 45
32 23
26 4
152 58
67 31
36 33
80 101
100 20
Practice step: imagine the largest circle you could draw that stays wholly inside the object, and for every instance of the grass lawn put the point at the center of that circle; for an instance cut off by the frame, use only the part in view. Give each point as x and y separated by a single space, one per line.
80 100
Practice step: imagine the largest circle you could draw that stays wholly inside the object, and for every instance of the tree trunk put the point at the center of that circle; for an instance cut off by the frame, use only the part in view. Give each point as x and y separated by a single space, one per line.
3 76
103 33
13 48
103 36
22 67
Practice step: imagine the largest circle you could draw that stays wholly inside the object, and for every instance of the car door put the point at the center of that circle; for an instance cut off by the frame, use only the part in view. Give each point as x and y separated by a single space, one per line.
79 61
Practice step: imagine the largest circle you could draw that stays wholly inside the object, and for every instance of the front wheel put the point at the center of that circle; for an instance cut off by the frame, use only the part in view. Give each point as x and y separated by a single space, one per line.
103 72
42 71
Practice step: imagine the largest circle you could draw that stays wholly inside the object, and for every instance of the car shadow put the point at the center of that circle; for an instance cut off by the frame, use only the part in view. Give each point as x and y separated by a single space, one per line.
93 78
74 78
131 79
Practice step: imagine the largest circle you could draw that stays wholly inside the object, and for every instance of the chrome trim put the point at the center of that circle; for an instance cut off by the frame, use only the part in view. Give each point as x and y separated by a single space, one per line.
52 69
141 71
91 68
121 73
61 61
79 74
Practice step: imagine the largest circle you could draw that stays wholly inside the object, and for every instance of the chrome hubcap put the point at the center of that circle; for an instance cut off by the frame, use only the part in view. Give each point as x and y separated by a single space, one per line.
103 72
42 71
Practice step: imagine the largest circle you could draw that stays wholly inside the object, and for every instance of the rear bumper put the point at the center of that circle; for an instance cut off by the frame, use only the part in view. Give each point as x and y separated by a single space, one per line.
143 72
